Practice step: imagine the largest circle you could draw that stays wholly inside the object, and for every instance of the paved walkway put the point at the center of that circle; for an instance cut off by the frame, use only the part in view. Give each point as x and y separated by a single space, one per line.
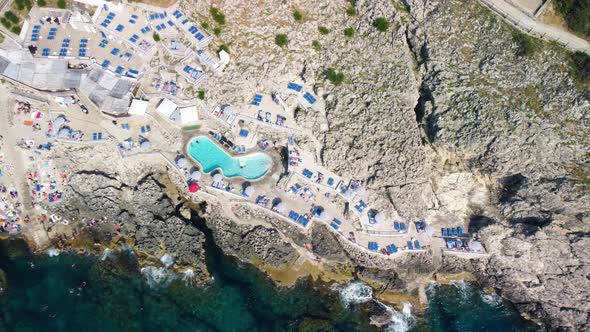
522 21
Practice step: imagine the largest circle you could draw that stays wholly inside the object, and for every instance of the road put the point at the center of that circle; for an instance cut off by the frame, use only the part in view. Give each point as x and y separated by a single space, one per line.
524 22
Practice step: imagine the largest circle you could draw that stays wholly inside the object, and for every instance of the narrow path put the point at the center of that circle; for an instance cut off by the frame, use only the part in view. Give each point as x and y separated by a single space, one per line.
522 21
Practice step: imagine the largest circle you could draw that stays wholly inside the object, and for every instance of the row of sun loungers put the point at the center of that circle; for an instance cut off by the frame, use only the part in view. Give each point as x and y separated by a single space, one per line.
361 206
239 149
399 227
452 232
336 224
300 219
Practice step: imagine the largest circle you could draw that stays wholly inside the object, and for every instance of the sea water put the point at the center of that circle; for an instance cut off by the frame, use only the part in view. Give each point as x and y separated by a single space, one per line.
71 292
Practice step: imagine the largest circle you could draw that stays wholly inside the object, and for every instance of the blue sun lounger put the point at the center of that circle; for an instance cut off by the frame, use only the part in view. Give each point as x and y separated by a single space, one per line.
416 244
303 220
295 188
373 246
410 246
396 226
391 248
294 215
443 231
459 231
402 227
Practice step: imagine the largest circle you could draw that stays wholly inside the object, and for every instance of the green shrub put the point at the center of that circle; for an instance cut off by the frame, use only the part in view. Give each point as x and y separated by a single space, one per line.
576 14
205 25
527 45
298 16
316 45
15 29
5 22
281 39
156 37
224 47
333 76
323 30
349 32
382 24
580 67
217 31
28 4
351 10
41 3
201 94
218 16
61 4
11 17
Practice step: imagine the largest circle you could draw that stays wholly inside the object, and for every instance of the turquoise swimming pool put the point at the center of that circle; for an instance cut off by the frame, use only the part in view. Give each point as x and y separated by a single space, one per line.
212 157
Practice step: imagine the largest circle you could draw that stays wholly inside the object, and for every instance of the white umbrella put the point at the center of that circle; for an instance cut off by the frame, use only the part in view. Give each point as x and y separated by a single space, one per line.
360 191
64 132
429 230
59 121
379 217
280 207
217 177
181 162
196 175
249 191
325 215
475 246
145 145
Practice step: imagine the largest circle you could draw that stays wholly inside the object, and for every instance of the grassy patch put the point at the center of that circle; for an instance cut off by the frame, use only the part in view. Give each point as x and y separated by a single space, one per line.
41 3
224 47
201 94
191 128
205 25
351 10
580 67
217 15
22 4
11 22
349 32
61 4
156 37
298 16
333 76
316 45
281 39
576 14
323 30
217 31
527 45
381 24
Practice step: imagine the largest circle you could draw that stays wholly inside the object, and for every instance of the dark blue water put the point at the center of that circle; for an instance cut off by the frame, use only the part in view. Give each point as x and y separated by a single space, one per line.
82 293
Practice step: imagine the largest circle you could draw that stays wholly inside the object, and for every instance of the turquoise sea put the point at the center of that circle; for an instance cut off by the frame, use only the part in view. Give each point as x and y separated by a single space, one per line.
69 292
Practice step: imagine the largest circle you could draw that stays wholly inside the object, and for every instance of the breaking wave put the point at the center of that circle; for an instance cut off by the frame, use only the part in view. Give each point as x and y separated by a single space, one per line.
355 293
400 321
158 277
53 252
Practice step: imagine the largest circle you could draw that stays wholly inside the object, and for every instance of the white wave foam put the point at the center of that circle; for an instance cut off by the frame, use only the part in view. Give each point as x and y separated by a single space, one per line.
187 277
158 277
167 260
399 321
492 299
105 254
53 252
355 292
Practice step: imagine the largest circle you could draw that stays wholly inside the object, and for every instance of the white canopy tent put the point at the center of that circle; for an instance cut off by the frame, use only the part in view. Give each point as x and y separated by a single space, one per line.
181 162
138 107
217 177
280 207
166 107
196 175
249 191
185 115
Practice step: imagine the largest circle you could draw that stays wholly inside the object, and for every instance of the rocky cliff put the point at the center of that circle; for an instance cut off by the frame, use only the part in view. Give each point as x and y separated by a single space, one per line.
443 117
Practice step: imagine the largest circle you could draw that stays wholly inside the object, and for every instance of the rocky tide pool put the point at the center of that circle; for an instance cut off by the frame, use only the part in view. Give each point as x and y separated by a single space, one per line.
67 292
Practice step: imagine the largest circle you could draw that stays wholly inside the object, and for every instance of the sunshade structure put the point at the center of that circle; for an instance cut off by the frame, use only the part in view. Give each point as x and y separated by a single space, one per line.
475 246
249 191
325 216
379 217
145 145
280 207
181 162
193 187
196 175
217 177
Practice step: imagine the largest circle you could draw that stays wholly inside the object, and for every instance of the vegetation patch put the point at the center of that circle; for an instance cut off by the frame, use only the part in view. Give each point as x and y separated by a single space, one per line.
281 39
201 94
349 32
217 31
333 76
323 30
527 45
22 4
156 37
11 22
223 47
316 45
580 67
576 14
205 25
298 16
61 4
217 15
381 24
351 10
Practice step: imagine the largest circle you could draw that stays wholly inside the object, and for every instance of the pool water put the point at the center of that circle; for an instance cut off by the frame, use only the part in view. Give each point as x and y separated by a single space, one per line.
212 157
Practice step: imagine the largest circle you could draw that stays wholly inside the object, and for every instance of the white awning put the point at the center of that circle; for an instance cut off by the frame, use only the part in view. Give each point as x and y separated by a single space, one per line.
138 107
166 107
185 115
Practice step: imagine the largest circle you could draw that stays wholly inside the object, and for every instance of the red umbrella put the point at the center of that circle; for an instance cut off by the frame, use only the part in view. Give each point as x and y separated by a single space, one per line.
193 187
